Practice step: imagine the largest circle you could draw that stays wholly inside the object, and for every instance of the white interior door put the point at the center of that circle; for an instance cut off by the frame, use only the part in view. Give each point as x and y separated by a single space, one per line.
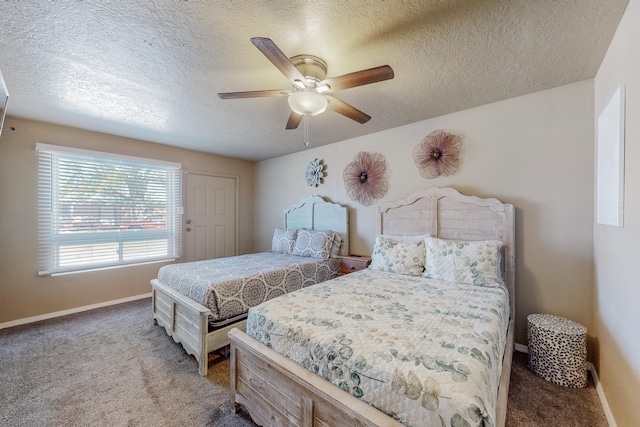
209 217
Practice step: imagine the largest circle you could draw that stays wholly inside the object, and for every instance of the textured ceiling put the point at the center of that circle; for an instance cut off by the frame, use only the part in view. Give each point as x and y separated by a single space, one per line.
151 69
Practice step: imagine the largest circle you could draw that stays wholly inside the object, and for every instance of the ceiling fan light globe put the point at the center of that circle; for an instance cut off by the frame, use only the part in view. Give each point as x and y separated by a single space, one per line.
307 103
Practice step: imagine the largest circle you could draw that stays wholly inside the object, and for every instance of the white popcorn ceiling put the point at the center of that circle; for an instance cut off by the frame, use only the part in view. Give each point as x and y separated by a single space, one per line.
151 69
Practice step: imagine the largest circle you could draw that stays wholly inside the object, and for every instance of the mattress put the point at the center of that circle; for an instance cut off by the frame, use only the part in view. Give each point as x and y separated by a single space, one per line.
424 351
230 286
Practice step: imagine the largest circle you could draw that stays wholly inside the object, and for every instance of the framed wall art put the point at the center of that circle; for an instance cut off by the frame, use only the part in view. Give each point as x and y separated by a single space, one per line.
314 173
437 154
610 161
365 177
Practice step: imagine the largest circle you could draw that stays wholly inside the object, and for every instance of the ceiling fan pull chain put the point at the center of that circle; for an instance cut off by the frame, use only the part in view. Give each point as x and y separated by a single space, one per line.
306 130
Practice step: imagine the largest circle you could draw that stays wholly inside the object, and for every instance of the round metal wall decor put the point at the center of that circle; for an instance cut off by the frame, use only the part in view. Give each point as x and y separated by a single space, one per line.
437 154
314 173
365 177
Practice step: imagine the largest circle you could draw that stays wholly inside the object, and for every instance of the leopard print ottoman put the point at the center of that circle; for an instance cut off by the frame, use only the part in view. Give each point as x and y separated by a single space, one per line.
557 349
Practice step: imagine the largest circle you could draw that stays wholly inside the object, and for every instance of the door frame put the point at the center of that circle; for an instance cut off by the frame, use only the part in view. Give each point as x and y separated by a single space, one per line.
236 213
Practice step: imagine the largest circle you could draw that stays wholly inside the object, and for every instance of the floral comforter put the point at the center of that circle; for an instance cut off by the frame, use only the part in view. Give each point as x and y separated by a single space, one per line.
424 351
230 286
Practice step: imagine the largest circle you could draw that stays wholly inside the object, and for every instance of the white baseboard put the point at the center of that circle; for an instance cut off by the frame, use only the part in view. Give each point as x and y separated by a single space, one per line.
603 399
594 375
53 315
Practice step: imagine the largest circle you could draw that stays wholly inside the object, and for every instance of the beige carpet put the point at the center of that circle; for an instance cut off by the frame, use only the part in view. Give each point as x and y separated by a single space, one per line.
113 367
534 401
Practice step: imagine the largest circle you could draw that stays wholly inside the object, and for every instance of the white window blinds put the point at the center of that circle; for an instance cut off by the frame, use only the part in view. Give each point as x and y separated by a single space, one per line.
100 210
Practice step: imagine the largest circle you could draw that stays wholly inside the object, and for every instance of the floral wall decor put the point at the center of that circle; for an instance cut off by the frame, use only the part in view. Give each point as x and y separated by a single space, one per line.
365 177
314 173
437 154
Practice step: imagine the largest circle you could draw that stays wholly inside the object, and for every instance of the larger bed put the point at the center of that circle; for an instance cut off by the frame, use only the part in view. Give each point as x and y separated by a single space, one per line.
388 346
199 302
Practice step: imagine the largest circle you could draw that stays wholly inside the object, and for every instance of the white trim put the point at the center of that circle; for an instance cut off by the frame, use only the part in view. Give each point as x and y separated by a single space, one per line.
603 398
53 315
145 160
522 348
3 85
4 101
109 267
596 381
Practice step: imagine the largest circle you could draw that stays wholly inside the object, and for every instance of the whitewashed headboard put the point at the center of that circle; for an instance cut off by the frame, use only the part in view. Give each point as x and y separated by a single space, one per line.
314 213
448 214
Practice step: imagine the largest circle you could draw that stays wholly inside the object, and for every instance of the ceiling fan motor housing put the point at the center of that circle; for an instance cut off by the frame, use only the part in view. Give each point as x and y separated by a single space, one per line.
312 67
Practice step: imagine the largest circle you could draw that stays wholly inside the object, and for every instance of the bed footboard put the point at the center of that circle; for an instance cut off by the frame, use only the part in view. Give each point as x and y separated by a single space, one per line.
278 392
184 320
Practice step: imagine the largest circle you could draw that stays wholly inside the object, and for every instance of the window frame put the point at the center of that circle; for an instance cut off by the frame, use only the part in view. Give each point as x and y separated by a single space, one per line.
51 239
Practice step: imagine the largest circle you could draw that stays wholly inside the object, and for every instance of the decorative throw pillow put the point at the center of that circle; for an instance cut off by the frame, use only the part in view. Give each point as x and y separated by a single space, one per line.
471 262
398 257
283 240
313 243
338 241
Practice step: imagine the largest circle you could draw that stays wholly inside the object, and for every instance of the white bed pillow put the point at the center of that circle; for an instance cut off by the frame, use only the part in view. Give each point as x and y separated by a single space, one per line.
314 243
283 240
398 257
471 262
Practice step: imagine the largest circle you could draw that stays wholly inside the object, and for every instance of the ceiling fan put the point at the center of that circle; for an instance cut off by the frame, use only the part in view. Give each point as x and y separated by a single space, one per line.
310 93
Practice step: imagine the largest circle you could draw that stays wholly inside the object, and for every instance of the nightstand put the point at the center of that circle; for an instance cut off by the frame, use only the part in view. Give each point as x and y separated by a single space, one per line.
351 263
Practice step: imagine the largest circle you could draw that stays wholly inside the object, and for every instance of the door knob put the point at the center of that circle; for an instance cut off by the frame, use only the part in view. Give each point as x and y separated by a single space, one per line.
189 229
188 221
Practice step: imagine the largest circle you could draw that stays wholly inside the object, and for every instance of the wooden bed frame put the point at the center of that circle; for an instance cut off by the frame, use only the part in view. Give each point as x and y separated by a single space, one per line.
187 321
278 392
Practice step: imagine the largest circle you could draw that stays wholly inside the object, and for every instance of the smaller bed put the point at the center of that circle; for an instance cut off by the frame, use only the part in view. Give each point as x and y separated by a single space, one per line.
199 302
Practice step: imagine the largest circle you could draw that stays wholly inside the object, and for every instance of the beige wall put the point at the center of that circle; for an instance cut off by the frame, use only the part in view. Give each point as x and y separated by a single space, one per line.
535 152
617 250
22 293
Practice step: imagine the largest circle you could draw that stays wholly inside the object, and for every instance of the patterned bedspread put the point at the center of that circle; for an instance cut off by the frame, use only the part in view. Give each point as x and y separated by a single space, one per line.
424 351
230 286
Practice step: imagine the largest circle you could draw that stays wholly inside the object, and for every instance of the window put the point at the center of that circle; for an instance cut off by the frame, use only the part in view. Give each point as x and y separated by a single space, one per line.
100 210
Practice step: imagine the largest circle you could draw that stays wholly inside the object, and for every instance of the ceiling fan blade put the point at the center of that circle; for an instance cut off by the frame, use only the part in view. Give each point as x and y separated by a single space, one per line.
294 120
347 110
279 59
359 78
253 94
